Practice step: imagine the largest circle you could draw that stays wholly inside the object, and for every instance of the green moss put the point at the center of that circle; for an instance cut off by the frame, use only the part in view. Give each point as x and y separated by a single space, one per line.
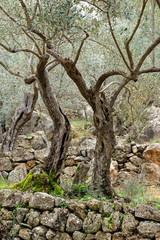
41 182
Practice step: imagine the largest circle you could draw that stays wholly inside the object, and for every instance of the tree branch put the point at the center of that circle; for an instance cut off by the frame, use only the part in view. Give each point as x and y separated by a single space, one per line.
31 79
104 76
115 40
52 65
17 74
149 70
145 55
158 2
28 20
80 48
19 50
132 35
118 90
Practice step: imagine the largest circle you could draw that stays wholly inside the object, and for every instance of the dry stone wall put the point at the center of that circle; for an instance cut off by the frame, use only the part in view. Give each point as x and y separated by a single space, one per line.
41 216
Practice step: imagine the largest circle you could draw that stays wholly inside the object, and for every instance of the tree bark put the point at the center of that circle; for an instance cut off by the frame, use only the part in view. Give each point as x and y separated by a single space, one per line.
21 116
104 147
61 138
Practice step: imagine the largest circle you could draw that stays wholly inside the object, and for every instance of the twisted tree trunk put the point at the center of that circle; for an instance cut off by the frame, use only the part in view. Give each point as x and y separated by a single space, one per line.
61 138
104 147
21 116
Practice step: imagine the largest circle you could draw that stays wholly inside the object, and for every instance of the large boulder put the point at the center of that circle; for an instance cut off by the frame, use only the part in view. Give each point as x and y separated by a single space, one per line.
152 153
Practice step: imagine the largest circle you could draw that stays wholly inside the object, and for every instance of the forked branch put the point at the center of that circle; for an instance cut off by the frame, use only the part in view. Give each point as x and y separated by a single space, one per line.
19 50
117 45
80 48
129 53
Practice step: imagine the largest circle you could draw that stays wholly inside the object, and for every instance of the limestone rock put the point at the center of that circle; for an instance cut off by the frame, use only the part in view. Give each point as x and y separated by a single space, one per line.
73 223
5 164
21 155
42 201
21 213
152 153
5 214
79 235
13 200
150 173
92 223
25 234
18 174
39 141
94 204
119 236
56 220
112 223
137 161
147 212
62 236
103 236
50 234
78 208
129 223
33 218
131 167
106 208
39 233
70 170
148 229
14 231
90 237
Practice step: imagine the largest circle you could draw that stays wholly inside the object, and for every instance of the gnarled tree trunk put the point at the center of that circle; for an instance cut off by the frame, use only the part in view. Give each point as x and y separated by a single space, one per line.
21 116
104 146
61 138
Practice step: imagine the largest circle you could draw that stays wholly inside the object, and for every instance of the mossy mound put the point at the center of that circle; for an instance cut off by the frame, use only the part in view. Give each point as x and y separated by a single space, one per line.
38 180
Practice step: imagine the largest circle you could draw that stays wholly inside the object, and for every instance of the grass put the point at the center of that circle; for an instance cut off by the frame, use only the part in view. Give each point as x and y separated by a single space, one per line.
4 184
79 127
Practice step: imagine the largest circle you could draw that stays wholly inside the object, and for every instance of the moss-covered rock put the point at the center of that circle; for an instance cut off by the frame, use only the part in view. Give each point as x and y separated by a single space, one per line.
38 180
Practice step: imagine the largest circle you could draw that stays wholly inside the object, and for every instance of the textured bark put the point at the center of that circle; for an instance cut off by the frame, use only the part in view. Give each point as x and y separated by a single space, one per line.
81 173
21 116
104 146
61 138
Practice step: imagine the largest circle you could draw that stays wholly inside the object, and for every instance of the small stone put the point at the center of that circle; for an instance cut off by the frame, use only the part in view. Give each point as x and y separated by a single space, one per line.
18 174
90 237
14 230
119 236
50 234
12 201
134 149
94 204
5 164
25 234
56 220
62 236
106 208
5 214
33 218
127 148
79 235
39 232
131 167
136 161
129 223
73 223
103 236
129 209
26 198
117 206
92 223
112 223
157 236
21 213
